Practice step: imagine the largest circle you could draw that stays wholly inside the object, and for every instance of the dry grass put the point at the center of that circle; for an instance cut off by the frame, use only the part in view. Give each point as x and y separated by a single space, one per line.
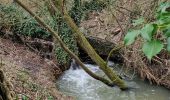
157 71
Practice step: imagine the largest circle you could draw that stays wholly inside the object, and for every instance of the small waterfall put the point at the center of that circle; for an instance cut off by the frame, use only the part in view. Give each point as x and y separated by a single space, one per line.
79 84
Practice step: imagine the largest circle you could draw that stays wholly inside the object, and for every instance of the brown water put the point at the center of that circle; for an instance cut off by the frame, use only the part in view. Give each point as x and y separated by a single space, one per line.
80 85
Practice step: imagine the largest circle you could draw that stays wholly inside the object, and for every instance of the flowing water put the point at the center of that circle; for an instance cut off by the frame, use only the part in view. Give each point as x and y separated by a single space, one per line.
83 87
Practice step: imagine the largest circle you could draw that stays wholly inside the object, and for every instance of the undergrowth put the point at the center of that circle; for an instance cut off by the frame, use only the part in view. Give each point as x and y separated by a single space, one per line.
13 18
18 21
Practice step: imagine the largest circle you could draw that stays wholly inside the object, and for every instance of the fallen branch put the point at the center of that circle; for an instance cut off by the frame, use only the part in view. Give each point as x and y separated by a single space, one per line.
113 50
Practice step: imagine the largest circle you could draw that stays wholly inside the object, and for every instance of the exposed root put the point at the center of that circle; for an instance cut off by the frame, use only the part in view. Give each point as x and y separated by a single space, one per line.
5 86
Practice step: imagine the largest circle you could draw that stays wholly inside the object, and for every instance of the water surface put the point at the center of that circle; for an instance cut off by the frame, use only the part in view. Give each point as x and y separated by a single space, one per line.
80 85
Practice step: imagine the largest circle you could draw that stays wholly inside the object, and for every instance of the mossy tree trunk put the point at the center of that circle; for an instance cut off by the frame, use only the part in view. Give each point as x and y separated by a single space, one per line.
88 48
83 43
63 45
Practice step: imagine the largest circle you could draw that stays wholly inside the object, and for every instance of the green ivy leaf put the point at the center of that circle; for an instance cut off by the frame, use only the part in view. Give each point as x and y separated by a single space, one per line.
152 48
148 31
130 37
138 21
168 44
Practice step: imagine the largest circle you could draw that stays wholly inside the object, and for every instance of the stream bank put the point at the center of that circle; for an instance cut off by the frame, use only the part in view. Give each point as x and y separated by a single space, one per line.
30 75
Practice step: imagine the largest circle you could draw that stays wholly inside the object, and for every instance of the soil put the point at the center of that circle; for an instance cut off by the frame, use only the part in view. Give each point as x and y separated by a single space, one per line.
30 75
102 25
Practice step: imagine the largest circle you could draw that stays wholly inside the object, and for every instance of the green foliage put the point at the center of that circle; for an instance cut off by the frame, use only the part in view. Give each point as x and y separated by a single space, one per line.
24 97
151 48
76 12
138 21
66 34
148 31
167 32
21 22
79 10
94 5
50 98
152 44
130 37
168 44
163 11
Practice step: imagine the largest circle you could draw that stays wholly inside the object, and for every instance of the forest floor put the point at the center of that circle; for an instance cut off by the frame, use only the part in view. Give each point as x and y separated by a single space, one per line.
30 75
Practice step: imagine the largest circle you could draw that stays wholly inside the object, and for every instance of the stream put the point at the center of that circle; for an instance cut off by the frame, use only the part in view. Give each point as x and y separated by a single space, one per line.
80 85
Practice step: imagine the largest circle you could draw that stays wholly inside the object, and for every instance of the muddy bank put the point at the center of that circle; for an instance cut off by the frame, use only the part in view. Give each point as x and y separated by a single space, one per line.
30 75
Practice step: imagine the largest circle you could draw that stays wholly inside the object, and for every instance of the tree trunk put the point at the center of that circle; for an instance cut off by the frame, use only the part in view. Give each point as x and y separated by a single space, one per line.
84 44
88 48
58 39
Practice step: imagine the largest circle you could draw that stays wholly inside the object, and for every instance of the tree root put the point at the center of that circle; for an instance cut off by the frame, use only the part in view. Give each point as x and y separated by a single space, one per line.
5 93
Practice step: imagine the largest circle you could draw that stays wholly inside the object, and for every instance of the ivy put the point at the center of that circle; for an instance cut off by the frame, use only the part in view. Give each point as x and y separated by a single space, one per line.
94 5
22 23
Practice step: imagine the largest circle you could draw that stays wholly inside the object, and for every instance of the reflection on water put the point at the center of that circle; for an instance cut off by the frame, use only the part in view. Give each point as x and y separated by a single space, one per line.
80 85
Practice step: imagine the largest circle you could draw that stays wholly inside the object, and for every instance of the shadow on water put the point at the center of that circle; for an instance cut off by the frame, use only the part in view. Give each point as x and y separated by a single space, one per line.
79 84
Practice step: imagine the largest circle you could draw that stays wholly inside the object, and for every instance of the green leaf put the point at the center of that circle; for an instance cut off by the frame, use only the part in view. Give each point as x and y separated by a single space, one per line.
167 32
130 37
148 30
24 97
152 48
138 21
163 10
164 20
168 44
163 7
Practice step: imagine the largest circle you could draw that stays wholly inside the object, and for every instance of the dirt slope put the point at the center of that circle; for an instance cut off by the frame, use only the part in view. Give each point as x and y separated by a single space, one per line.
30 75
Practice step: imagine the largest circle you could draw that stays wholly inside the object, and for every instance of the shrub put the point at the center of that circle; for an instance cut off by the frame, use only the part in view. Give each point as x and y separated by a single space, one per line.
156 34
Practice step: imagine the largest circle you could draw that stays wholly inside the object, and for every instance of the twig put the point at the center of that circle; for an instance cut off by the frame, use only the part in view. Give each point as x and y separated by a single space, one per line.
128 10
113 50
117 21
